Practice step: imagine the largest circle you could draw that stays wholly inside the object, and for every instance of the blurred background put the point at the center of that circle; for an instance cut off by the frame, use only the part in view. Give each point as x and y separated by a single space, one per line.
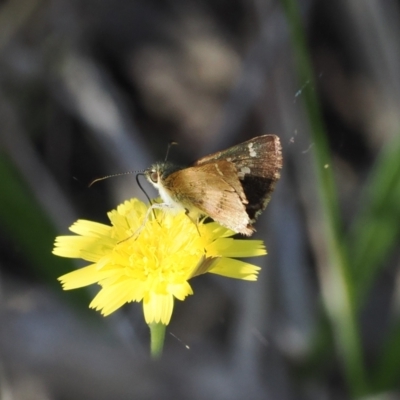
91 88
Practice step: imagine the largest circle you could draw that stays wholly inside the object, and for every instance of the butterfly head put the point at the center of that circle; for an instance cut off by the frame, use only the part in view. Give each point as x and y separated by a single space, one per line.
158 175
158 172
153 175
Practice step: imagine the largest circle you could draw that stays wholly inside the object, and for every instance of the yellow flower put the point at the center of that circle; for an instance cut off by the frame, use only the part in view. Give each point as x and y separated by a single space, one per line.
151 261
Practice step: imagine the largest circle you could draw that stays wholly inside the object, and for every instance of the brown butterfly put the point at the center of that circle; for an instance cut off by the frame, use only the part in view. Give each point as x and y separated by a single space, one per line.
232 186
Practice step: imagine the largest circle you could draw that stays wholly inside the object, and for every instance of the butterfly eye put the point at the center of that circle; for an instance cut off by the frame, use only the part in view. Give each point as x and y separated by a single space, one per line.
154 176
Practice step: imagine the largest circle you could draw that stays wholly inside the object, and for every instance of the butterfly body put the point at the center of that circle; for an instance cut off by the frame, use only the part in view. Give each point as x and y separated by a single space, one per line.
232 186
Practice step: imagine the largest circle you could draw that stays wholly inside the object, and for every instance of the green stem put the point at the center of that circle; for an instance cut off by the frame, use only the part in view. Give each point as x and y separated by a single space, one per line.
157 336
336 278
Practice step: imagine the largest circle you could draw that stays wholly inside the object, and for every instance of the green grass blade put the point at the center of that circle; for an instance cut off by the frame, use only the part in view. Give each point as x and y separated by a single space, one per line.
377 227
335 278
387 369
373 235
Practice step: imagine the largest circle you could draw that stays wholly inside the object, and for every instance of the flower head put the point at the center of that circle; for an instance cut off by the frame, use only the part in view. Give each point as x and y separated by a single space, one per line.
150 257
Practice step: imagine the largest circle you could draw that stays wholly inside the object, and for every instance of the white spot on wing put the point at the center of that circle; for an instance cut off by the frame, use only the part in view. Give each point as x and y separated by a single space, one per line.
252 152
243 171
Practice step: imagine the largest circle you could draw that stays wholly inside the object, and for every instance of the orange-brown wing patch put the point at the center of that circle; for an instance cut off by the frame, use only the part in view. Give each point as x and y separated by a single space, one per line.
258 163
215 190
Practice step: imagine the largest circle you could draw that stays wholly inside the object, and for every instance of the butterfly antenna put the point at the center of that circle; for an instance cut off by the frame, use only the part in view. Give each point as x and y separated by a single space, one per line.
111 176
170 144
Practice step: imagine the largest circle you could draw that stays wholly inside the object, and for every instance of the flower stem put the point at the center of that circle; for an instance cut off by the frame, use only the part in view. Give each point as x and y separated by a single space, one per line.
157 335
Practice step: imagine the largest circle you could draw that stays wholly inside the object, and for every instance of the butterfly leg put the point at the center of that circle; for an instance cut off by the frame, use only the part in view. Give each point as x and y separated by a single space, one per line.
195 220
151 209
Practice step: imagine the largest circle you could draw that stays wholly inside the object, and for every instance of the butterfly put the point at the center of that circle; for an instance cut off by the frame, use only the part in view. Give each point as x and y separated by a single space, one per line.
231 186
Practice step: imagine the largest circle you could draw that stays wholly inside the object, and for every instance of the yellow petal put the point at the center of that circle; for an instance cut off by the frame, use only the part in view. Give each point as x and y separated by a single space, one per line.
180 291
228 247
89 228
87 248
235 269
83 277
112 297
158 308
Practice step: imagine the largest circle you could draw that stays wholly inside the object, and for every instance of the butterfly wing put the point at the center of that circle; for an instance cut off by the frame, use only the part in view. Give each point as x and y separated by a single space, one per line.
257 163
214 190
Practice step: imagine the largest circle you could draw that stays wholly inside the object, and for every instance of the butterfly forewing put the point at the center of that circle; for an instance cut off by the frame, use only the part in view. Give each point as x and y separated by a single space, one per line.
258 163
214 190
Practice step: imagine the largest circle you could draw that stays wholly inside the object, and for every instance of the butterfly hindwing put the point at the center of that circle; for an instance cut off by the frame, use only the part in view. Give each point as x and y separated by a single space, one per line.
214 190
